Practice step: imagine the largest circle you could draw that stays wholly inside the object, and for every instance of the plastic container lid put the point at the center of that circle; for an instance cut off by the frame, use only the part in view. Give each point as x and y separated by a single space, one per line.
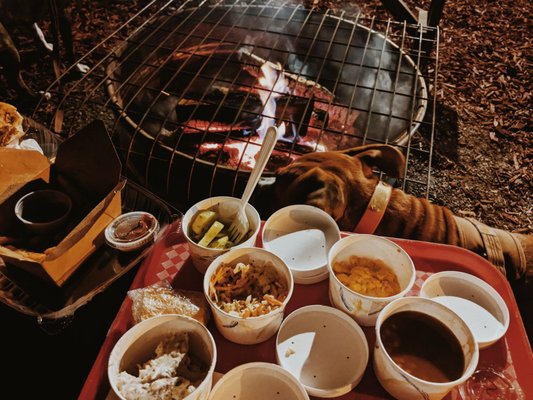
487 384
301 235
258 381
131 231
308 346
475 301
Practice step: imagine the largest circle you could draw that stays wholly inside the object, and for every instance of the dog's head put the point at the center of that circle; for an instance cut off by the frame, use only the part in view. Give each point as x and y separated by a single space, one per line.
339 182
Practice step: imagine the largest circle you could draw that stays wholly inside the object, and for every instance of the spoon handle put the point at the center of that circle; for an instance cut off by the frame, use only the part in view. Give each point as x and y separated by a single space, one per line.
269 141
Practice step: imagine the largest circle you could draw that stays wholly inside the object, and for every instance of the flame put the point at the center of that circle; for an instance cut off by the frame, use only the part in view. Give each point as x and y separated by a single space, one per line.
274 85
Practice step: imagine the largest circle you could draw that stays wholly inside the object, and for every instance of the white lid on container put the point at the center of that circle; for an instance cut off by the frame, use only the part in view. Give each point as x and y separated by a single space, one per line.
308 346
258 381
477 303
301 235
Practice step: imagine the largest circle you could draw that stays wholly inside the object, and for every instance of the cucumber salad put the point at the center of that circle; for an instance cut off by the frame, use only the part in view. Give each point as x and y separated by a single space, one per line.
208 230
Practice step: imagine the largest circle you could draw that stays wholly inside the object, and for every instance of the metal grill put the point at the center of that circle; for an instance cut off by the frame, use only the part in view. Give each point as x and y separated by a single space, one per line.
187 90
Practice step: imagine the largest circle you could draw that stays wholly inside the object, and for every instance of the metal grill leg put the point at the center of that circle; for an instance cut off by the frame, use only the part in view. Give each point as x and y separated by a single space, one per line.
401 11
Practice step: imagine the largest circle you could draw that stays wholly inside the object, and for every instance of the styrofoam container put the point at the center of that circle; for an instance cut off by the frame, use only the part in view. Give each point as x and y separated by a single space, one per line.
137 346
365 309
226 206
475 301
258 381
249 330
302 235
324 349
401 384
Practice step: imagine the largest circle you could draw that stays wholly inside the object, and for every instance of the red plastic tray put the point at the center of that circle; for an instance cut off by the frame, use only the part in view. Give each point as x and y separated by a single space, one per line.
169 260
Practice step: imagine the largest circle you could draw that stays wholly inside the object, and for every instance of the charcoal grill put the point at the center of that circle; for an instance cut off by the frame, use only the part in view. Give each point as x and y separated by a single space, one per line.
189 91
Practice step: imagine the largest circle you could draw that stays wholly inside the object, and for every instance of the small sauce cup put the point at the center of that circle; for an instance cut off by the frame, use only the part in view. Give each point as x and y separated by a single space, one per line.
131 231
43 211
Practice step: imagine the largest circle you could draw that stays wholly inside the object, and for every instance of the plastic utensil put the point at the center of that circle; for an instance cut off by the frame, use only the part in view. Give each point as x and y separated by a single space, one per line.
239 226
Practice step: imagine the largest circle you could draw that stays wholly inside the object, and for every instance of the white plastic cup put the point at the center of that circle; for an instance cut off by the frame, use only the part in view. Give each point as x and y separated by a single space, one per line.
132 218
365 309
399 383
249 330
137 346
203 256
258 381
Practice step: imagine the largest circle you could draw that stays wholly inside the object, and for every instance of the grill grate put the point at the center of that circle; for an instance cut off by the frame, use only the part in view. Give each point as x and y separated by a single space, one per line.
186 89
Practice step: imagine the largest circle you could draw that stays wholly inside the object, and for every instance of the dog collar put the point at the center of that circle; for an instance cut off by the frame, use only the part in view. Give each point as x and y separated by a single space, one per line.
375 210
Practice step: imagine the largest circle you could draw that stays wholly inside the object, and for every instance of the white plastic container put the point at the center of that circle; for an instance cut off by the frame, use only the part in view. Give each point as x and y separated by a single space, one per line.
258 381
130 221
249 330
137 346
203 256
302 235
401 384
365 309
324 349
475 301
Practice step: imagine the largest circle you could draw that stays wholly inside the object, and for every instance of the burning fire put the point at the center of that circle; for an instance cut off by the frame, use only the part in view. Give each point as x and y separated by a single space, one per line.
274 85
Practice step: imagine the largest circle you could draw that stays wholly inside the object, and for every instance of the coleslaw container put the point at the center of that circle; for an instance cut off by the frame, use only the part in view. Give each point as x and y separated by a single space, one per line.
248 330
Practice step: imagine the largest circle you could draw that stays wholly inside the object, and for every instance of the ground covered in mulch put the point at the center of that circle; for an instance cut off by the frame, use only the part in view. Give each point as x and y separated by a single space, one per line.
484 144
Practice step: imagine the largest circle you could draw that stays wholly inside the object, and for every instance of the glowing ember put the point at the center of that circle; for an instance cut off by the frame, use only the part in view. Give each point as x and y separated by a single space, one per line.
247 151
210 146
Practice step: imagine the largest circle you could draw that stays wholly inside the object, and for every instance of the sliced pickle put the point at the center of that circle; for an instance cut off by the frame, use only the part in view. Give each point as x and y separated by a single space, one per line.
203 221
219 243
211 233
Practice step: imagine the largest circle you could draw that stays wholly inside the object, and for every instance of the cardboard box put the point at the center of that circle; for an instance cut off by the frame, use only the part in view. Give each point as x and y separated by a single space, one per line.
87 168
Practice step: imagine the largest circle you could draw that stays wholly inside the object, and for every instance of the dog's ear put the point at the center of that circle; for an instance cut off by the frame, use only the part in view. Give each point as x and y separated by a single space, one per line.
313 186
382 156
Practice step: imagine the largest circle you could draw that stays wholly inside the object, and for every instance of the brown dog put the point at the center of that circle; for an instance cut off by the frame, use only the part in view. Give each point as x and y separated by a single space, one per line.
342 183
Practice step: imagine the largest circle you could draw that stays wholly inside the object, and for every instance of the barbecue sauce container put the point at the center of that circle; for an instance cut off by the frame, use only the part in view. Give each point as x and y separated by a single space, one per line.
132 231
